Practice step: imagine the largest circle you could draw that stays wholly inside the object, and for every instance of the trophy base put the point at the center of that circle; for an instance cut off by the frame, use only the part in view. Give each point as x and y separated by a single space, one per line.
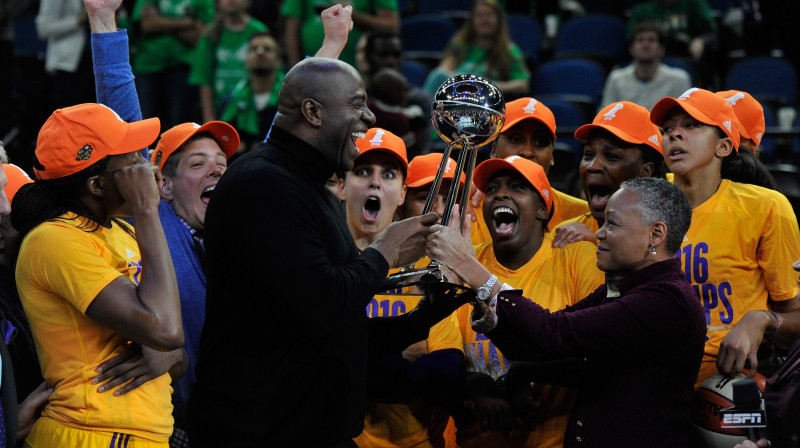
430 282
412 277
444 296
433 288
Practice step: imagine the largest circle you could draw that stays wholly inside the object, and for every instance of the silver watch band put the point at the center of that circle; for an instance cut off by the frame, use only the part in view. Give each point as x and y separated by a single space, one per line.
488 286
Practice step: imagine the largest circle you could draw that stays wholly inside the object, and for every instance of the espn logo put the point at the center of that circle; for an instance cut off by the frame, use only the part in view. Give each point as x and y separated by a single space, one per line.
742 419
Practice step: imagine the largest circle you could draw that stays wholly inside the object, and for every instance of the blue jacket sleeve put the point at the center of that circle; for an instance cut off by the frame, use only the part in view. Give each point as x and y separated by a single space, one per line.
114 85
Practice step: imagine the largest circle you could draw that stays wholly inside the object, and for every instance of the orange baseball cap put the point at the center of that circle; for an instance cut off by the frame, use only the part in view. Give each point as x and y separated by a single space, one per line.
377 139
749 112
531 171
74 138
529 108
628 121
704 107
17 177
422 170
173 139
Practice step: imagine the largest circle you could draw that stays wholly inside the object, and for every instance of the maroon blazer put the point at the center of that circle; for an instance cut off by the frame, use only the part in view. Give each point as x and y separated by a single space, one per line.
642 351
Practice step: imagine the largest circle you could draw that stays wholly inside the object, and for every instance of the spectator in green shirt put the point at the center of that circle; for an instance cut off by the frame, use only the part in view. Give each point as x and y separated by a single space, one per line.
690 31
482 46
170 30
688 24
304 33
219 61
252 104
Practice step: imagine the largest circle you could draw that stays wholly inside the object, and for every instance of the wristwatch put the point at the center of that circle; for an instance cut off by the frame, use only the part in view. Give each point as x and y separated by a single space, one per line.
485 290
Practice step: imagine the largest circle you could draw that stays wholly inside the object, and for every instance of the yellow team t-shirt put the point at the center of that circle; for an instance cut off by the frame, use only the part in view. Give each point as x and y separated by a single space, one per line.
60 270
585 219
554 279
390 425
737 253
564 207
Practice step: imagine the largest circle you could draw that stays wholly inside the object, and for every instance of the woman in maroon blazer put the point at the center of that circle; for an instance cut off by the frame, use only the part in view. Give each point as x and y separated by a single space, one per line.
640 336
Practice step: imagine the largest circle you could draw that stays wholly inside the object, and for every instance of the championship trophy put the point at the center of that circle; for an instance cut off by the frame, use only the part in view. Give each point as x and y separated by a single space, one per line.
467 112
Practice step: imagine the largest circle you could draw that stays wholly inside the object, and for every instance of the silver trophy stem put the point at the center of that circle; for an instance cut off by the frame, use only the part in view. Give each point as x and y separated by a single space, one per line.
473 157
437 181
468 111
452 195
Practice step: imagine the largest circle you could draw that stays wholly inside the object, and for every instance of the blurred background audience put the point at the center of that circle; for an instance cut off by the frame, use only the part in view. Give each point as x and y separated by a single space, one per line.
198 60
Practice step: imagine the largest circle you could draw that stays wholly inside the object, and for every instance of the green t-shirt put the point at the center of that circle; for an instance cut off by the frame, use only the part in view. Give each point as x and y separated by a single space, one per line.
475 62
311 31
160 52
222 65
241 112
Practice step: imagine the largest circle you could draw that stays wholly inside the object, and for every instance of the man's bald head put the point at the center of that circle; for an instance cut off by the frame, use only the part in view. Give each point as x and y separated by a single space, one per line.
311 78
323 102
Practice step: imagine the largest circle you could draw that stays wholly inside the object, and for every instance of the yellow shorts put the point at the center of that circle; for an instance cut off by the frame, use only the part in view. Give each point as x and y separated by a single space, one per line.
48 433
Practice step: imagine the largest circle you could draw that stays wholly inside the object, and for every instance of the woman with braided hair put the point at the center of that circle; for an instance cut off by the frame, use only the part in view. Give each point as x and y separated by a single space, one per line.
93 288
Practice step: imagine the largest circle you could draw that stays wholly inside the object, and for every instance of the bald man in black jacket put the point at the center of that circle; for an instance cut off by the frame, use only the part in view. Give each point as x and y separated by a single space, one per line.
284 348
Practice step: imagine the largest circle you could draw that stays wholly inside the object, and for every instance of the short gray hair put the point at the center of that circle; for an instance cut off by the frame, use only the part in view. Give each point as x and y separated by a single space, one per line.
662 201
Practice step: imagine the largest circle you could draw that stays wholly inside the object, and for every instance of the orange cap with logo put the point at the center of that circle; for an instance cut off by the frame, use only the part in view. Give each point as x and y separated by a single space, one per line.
377 139
703 106
628 121
422 170
17 177
531 171
173 139
529 108
749 112
76 137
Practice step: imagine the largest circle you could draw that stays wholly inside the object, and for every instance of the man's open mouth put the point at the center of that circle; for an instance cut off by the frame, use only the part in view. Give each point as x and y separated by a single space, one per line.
205 196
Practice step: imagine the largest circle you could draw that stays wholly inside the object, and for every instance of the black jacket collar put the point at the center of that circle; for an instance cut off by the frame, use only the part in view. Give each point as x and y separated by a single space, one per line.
299 156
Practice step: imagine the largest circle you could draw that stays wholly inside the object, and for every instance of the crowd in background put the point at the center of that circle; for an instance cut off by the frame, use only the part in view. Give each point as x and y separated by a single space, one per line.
191 59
